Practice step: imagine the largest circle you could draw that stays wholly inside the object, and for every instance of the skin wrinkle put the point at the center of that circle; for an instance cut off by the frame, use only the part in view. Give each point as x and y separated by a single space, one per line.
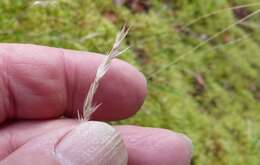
12 144
111 151
8 146
68 92
56 153
90 80
75 76
113 144
15 145
140 138
3 105
60 140
10 105
43 144
76 87
27 80
100 152
71 77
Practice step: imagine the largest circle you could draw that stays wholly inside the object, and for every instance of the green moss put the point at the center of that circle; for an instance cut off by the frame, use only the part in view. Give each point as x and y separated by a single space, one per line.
223 119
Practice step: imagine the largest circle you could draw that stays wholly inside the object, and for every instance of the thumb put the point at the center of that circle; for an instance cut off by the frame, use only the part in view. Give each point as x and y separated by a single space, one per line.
87 143
93 143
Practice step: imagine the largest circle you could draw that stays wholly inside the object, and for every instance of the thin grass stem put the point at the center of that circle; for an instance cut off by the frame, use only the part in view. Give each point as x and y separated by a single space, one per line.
151 75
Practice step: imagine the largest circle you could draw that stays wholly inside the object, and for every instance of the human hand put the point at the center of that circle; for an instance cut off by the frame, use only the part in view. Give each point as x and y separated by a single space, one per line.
39 84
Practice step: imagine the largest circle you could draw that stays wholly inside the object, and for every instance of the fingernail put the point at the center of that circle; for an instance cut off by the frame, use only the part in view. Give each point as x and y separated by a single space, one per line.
92 143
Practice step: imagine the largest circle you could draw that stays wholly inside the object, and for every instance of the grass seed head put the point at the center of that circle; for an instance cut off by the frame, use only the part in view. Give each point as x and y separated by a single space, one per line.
89 107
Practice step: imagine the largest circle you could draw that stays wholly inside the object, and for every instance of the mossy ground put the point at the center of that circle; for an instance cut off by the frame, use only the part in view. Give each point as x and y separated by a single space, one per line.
211 94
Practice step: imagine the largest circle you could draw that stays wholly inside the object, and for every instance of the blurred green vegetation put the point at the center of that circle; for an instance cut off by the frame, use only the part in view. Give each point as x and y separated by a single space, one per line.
211 94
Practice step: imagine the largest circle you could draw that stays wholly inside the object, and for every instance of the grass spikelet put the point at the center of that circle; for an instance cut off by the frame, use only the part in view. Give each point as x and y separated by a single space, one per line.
89 107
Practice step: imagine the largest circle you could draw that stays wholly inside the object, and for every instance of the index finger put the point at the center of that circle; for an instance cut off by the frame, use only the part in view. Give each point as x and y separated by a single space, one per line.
39 82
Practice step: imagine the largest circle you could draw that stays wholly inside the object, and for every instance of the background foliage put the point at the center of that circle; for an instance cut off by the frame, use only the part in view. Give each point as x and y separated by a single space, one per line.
212 94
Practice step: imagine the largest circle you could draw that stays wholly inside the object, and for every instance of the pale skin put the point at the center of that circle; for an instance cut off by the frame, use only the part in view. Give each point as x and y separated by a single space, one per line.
39 85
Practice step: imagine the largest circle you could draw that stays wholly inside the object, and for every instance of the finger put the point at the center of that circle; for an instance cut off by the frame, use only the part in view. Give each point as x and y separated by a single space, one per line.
39 82
84 143
144 145
14 135
150 146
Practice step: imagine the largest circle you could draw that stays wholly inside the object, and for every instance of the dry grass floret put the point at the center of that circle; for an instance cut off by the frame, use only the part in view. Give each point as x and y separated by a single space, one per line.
89 107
